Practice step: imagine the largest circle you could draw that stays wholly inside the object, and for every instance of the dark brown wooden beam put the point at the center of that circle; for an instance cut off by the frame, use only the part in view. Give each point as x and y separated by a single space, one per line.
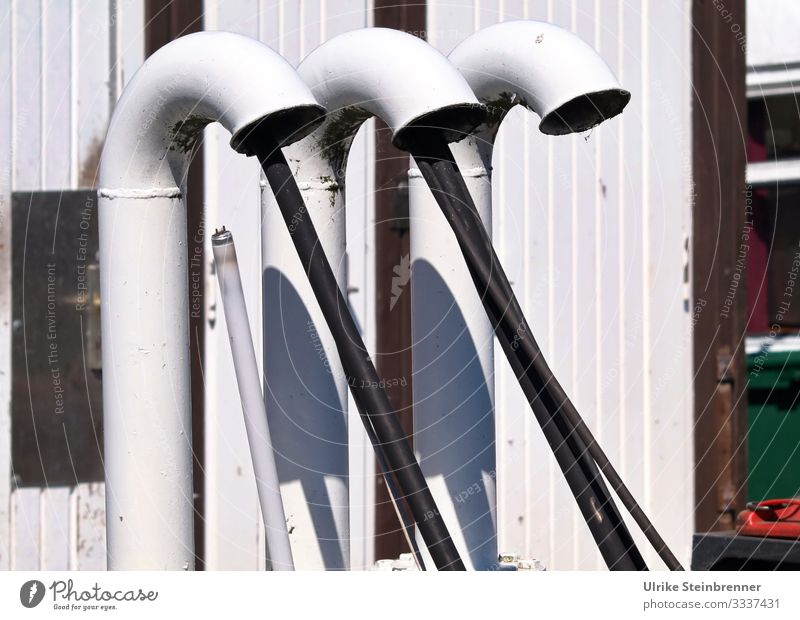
719 147
392 259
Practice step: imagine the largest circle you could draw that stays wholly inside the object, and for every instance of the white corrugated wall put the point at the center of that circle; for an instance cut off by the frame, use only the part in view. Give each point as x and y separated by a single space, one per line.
593 230
62 64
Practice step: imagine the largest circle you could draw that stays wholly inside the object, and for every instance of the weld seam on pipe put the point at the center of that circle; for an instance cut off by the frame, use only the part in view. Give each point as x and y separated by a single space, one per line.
477 172
142 194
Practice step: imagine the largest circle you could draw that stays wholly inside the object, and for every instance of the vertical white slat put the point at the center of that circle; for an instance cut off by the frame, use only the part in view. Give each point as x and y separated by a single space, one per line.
449 23
290 35
26 174
25 529
609 327
511 10
89 547
92 84
488 12
647 371
529 459
242 16
586 286
339 16
6 57
232 198
55 528
562 341
309 34
269 25
632 401
668 159
539 454
27 94
55 59
130 31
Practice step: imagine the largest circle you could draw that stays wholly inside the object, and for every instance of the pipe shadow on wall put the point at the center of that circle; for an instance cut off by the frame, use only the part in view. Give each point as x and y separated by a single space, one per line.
310 419
468 436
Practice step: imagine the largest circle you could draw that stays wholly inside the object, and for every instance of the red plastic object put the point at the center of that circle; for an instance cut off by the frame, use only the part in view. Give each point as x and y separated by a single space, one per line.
772 518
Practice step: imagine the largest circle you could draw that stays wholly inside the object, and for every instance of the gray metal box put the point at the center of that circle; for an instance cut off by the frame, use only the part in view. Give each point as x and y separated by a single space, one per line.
57 434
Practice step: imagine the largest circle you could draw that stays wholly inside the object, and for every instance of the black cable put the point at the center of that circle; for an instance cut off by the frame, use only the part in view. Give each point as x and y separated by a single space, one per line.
564 429
373 405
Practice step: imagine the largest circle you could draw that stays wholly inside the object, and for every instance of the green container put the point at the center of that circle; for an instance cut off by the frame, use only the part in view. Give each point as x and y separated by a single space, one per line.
773 441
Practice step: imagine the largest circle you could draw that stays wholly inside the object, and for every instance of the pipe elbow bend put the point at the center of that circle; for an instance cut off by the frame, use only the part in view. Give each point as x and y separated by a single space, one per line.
193 81
548 69
392 75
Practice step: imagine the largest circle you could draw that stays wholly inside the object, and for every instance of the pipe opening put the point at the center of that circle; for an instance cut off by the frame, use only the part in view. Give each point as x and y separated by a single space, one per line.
282 127
454 122
584 112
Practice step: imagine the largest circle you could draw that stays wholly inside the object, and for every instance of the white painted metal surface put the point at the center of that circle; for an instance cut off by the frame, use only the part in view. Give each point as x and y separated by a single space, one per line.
313 460
197 79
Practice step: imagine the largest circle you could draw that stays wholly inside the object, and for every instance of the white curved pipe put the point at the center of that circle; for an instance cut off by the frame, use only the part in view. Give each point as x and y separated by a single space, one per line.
557 75
198 79
248 379
543 67
370 72
547 69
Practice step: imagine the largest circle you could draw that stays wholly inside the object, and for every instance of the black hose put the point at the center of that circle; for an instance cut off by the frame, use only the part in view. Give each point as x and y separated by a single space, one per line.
373 405
534 358
568 436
